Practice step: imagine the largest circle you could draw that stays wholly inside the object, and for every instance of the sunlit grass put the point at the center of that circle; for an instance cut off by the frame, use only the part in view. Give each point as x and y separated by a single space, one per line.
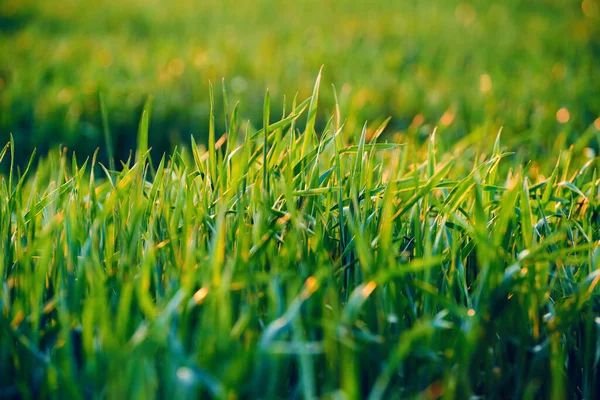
287 262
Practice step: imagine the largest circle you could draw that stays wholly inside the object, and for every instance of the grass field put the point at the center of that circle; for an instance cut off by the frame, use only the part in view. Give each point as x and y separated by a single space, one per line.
466 66
300 245
286 263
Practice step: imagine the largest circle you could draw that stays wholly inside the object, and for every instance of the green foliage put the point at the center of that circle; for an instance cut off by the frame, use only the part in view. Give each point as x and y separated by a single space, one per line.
300 253
287 263
477 65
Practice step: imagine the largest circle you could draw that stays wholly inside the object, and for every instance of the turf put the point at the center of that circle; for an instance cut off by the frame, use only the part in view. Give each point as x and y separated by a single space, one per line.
289 262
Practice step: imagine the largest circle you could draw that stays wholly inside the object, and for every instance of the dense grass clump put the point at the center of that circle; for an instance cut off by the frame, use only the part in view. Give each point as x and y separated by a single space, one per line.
289 263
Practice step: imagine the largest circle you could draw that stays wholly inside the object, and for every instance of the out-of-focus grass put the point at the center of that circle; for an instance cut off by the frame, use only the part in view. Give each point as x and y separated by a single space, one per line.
289 263
468 66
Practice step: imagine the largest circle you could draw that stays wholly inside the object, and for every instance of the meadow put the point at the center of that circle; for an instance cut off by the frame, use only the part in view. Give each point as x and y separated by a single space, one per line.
420 218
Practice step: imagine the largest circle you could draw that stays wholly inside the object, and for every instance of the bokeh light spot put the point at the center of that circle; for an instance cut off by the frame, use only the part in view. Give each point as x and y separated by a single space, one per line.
368 289
465 13
64 96
417 121
200 60
485 83
590 8
447 118
562 115
176 67
200 295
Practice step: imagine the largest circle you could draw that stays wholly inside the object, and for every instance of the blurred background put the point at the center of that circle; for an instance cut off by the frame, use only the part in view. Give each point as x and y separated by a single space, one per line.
467 67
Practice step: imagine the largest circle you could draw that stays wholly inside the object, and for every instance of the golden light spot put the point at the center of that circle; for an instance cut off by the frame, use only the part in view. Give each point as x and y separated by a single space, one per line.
485 83
64 96
60 343
200 295
417 121
447 118
597 123
559 72
17 320
49 307
176 67
588 152
590 8
368 289
471 312
511 181
562 115
370 133
284 219
435 390
163 244
311 285
200 60
524 271
465 13
510 295
593 284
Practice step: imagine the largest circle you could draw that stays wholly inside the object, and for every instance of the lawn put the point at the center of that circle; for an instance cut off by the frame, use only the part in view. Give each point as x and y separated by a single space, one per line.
298 243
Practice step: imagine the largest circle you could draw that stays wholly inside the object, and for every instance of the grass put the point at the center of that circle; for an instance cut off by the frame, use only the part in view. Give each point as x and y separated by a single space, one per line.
468 67
292 263
289 249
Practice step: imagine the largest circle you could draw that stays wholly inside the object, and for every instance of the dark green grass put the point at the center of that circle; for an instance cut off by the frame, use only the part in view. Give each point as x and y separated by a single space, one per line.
289 263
